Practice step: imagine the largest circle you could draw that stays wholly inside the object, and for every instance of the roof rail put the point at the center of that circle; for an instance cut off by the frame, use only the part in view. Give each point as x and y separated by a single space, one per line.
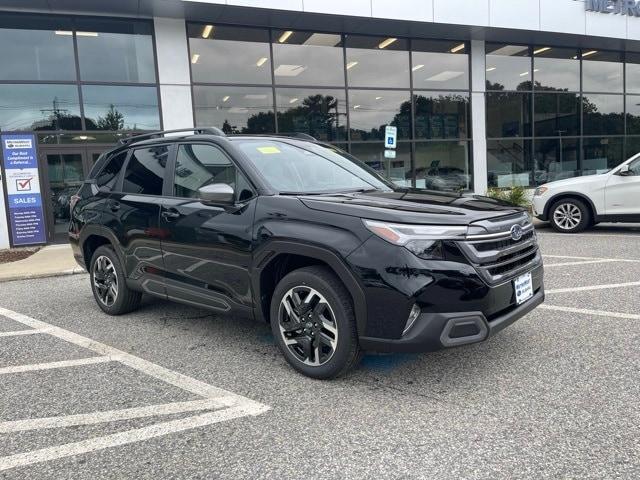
201 131
303 136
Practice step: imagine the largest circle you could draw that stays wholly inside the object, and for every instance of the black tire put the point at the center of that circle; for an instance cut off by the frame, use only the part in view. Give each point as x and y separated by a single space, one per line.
570 215
125 300
326 284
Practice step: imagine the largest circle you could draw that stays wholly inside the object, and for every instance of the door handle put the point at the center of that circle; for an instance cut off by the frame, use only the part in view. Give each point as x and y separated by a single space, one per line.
171 214
114 206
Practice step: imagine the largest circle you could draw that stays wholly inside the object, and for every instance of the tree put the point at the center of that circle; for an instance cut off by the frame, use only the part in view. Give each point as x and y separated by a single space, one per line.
113 120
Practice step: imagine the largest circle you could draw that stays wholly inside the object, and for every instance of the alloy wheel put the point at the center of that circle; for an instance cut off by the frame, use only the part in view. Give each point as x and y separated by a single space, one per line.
567 216
308 326
105 280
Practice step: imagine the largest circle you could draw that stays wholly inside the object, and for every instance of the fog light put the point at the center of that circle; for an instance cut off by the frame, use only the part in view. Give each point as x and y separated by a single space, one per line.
413 316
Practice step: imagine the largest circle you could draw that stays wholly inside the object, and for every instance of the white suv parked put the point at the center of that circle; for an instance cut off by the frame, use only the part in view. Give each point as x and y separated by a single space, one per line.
574 204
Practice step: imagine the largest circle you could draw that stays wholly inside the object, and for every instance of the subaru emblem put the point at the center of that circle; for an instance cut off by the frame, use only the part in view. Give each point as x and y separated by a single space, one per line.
516 233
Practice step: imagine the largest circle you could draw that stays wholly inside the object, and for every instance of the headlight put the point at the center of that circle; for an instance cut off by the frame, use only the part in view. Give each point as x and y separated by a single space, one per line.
424 241
540 191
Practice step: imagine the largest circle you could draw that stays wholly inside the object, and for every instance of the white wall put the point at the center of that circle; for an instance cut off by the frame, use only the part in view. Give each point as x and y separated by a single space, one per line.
563 16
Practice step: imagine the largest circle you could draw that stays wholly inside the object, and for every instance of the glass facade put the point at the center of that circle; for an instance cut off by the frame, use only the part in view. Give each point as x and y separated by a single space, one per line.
342 89
77 74
555 113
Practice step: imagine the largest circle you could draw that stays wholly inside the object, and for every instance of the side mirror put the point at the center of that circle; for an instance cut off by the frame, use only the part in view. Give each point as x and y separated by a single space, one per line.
216 194
625 171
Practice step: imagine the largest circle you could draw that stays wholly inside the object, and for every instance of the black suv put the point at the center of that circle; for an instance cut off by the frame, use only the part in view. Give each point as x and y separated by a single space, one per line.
302 235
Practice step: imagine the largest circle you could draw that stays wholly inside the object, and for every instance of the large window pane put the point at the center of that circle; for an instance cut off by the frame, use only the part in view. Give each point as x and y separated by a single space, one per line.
377 62
556 69
602 71
557 114
633 72
440 65
371 111
601 154
443 166
632 147
115 51
307 58
221 54
120 108
441 115
509 163
39 107
508 67
633 114
603 114
36 48
235 109
556 159
398 169
321 114
508 115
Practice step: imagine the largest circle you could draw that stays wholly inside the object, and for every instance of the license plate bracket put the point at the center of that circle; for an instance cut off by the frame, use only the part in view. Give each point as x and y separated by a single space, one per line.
523 287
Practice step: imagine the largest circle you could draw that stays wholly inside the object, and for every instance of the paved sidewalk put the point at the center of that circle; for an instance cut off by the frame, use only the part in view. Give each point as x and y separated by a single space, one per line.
50 261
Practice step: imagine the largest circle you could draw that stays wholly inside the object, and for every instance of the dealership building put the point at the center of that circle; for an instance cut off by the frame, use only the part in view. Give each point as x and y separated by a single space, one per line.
483 93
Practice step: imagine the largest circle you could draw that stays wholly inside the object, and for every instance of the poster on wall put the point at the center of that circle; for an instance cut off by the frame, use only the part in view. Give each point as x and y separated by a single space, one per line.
22 183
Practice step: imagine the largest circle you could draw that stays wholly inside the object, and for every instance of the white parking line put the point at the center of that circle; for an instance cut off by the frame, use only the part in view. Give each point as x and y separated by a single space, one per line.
604 235
594 287
16 333
51 365
228 405
629 260
585 311
586 262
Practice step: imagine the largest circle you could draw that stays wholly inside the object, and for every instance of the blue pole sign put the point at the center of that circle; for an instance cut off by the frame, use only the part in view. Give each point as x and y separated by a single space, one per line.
23 189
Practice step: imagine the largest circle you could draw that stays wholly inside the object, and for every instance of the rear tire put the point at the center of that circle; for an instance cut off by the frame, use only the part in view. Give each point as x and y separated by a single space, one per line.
570 215
313 323
109 285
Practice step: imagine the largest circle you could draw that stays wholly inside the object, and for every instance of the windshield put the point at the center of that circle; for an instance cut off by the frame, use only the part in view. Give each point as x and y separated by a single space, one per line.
314 169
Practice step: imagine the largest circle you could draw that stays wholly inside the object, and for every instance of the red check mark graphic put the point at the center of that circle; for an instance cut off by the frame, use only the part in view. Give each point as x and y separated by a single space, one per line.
24 183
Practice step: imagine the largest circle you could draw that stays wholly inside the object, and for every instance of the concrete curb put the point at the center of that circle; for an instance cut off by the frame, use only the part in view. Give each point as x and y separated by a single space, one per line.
62 273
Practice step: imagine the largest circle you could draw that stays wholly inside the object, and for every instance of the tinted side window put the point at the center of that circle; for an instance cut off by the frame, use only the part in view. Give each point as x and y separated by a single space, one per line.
145 170
200 165
109 174
635 167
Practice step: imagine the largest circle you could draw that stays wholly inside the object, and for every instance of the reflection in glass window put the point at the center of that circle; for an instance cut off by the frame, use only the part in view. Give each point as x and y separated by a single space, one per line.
602 71
443 166
633 114
145 171
221 54
601 154
307 58
508 115
115 51
603 114
372 110
556 69
198 166
508 67
377 62
397 170
633 72
441 115
632 146
556 159
120 108
440 65
234 109
321 114
557 114
44 47
509 163
39 107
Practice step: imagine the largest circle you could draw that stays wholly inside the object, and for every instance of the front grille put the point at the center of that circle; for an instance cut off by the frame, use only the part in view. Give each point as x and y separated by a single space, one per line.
497 257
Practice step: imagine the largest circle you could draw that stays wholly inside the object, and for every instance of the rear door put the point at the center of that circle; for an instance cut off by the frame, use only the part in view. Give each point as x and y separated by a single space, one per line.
622 192
207 249
132 212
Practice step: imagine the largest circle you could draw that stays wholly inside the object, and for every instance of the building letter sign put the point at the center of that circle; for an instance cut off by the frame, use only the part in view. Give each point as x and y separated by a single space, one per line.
618 7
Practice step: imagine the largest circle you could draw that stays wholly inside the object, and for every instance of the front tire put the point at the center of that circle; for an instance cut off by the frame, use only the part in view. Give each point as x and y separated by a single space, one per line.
313 322
109 285
570 215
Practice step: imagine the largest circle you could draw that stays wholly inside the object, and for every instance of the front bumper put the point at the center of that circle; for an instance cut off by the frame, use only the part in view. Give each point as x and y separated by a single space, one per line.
436 331
539 204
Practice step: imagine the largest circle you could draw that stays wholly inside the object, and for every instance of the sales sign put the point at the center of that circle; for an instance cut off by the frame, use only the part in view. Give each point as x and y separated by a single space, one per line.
22 182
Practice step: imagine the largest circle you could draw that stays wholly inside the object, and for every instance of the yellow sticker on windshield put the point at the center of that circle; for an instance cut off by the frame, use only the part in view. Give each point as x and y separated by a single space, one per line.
268 150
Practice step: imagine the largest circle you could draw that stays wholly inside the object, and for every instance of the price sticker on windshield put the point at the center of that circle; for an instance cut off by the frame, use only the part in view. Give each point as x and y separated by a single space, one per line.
268 150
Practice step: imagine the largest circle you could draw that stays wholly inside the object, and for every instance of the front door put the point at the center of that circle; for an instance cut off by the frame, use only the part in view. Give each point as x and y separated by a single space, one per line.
622 192
207 248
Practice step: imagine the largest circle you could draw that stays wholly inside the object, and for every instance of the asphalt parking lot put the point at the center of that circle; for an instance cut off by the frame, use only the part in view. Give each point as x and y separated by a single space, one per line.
175 392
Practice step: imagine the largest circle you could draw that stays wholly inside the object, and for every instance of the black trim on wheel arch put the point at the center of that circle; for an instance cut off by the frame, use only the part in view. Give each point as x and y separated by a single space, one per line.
101 231
579 196
276 247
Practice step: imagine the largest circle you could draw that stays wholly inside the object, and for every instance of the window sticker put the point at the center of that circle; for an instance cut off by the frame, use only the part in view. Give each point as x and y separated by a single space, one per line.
268 150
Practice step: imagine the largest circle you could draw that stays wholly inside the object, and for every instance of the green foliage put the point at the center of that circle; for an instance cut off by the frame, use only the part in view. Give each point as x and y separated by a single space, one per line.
516 196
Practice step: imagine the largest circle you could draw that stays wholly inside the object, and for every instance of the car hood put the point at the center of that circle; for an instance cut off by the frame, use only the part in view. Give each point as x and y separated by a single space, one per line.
413 206
577 181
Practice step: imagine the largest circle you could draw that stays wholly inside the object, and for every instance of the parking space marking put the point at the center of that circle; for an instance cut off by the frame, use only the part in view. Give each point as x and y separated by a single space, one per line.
600 313
15 333
585 262
594 287
227 405
51 365
628 260
603 235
